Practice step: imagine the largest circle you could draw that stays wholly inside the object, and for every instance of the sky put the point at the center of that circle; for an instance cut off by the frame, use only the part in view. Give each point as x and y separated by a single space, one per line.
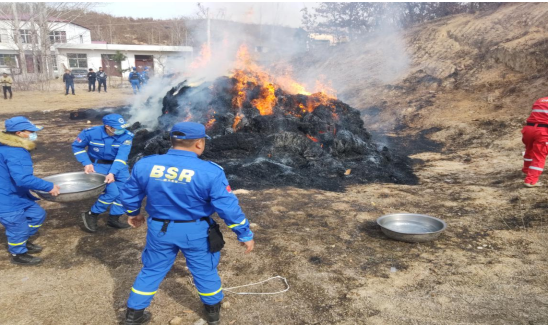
279 13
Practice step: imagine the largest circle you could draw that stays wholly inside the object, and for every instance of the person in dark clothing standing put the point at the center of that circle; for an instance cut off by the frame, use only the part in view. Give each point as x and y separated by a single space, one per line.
68 78
101 79
92 76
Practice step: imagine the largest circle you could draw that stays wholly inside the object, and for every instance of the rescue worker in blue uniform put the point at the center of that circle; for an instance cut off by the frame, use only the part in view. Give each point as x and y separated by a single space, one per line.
182 192
135 80
107 153
145 75
20 215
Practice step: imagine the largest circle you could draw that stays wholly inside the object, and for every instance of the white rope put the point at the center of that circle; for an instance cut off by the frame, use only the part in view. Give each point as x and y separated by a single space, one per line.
241 286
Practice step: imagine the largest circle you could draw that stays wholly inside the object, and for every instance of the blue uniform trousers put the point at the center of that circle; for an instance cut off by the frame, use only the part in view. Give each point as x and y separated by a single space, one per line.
135 85
111 194
20 225
159 256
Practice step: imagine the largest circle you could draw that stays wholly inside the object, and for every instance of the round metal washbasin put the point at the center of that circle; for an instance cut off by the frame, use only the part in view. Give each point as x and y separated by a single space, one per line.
75 186
411 227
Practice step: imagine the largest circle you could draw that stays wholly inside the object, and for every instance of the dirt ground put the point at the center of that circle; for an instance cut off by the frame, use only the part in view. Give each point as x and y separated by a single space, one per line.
488 267
55 99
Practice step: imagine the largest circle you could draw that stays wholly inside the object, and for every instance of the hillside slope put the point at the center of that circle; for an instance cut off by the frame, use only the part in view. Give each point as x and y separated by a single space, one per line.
489 65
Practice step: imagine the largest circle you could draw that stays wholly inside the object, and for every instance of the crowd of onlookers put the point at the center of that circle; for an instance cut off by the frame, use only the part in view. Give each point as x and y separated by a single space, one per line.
135 78
99 78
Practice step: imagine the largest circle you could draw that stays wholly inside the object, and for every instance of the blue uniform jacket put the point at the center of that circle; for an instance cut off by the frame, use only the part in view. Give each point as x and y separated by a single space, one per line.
180 186
101 146
134 76
16 174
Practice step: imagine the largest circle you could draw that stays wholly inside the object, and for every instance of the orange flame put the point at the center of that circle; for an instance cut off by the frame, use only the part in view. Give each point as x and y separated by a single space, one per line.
210 123
237 119
249 75
267 100
312 138
203 58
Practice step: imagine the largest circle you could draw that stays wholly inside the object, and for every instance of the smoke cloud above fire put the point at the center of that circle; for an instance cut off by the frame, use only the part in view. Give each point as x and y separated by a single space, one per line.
295 62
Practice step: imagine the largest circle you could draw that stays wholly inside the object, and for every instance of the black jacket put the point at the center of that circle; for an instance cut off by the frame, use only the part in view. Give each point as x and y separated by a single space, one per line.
68 78
92 75
101 75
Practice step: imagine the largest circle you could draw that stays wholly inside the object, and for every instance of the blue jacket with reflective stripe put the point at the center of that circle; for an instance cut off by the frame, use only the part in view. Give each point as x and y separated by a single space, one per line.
16 174
180 186
101 146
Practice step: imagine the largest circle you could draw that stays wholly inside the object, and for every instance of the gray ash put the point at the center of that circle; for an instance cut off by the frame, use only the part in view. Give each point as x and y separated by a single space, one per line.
308 141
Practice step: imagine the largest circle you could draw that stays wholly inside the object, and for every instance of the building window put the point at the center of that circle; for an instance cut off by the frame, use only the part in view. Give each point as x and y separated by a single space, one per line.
77 60
8 60
25 36
53 59
58 37
81 39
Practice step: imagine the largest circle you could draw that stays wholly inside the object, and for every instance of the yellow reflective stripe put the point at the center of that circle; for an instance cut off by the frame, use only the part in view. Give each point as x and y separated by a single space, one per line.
210 294
117 204
121 161
234 225
115 145
17 244
35 226
97 143
142 293
79 152
99 200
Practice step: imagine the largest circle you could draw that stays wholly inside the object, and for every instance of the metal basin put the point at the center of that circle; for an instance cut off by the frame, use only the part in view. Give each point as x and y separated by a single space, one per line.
75 186
411 227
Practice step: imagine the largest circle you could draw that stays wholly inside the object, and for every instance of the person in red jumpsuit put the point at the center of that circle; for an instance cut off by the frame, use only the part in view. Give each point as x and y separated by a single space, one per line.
534 137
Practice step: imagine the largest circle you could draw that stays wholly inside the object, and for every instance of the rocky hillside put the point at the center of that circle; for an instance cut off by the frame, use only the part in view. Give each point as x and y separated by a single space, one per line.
491 65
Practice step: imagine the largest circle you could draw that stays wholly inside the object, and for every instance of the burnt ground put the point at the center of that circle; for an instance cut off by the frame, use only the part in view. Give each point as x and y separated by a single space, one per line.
489 267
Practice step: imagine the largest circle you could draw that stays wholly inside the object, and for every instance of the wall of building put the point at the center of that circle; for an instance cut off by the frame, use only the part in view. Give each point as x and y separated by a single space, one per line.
94 60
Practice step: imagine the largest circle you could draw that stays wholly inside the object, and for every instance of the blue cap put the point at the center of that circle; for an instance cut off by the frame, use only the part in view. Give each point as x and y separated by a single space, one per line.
115 120
20 124
191 130
146 68
133 68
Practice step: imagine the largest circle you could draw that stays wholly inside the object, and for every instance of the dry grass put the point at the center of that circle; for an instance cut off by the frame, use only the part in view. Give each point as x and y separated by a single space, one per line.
28 101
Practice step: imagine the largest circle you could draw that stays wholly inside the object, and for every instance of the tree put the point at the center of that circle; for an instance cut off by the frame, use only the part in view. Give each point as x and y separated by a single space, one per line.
358 19
118 57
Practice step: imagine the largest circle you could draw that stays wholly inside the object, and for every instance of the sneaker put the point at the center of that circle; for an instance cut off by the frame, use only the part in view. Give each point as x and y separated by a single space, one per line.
33 248
530 185
90 221
25 259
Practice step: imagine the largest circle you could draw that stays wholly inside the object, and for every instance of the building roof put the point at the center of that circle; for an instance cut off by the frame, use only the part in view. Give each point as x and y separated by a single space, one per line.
27 17
124 47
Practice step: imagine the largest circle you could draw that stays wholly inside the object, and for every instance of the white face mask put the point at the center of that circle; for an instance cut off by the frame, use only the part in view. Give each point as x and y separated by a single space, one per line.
33 136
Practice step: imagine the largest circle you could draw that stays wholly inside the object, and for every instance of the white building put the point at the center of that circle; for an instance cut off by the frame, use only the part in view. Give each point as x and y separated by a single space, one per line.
72 47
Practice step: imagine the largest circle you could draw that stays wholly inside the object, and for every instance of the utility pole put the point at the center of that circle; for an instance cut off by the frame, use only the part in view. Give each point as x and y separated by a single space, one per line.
208 27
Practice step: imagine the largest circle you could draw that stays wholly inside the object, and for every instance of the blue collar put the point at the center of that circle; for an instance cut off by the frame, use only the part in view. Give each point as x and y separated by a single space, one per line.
181 152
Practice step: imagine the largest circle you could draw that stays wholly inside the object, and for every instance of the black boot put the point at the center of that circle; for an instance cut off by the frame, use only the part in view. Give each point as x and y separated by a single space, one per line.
115 223
212 313
137 317
90 221
33 248
25 259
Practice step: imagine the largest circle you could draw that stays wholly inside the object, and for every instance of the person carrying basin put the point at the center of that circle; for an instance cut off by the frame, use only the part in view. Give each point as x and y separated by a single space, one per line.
108 147
19 213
